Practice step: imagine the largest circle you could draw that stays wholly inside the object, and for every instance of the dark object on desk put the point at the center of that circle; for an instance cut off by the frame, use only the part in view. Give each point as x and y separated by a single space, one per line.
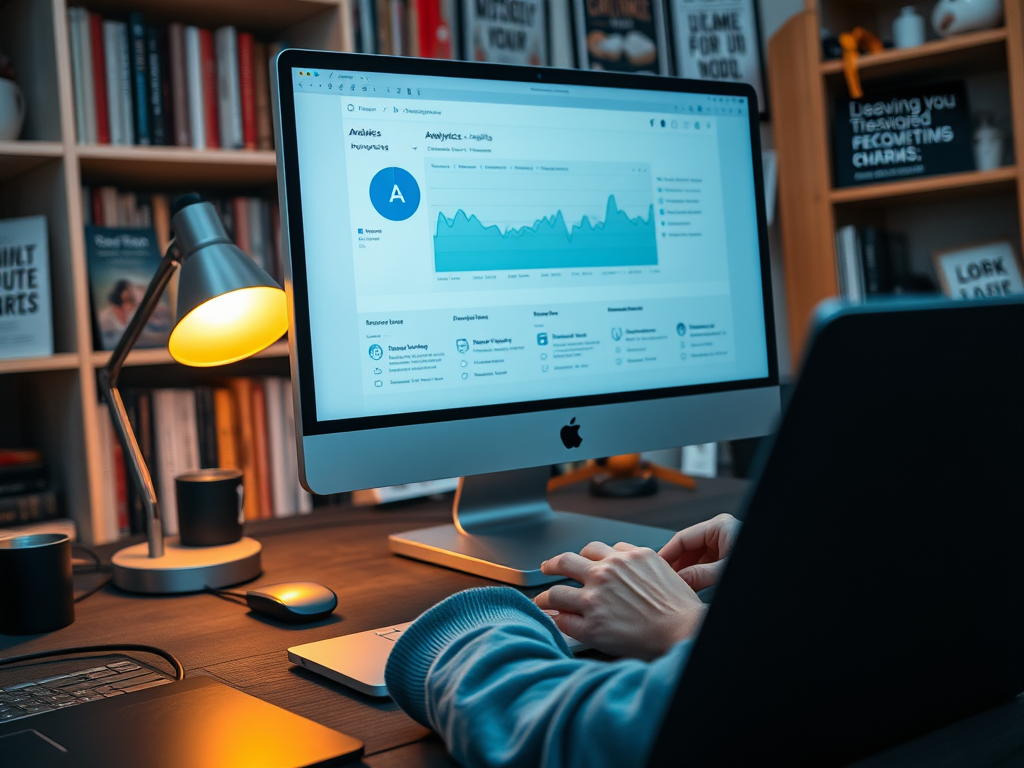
623 476
196 722
210 509
295 602
37 592
885 481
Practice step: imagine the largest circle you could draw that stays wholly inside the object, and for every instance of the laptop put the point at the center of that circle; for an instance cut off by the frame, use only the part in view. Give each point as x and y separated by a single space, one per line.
876 591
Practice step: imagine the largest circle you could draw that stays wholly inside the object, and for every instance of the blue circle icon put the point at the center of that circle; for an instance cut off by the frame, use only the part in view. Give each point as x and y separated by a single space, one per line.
376 353
681 329
395 194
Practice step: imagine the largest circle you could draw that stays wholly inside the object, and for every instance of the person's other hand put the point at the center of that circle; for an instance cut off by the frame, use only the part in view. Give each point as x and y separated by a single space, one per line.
631 602
698 553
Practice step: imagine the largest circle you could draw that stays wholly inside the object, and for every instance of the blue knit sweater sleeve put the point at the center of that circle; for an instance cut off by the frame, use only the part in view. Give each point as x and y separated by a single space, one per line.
490 673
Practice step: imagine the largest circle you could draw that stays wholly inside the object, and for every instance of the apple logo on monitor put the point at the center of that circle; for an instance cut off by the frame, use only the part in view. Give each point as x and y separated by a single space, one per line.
570 435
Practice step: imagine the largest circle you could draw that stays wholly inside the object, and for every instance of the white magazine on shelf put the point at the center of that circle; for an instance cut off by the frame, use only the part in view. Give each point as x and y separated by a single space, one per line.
26 316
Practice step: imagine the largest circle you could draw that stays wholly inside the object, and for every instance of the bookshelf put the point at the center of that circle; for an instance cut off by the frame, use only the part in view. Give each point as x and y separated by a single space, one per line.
933 211
43 173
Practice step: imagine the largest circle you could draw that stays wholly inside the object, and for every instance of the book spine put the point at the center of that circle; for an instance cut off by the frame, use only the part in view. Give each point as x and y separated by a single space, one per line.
179 84
275 241
29 508
112 66
85 36
260 442
384 27
107 528
209 65
207 423
231 97
242 389
140 78
194 83
157 113
398 23
99 78
367 27
283 501
126 70
120 490
303 499
257 241
261 95
18 487
247 89
227 428
77 72
240 213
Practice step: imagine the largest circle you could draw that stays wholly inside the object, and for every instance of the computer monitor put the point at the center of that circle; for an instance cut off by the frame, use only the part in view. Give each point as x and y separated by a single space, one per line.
494 268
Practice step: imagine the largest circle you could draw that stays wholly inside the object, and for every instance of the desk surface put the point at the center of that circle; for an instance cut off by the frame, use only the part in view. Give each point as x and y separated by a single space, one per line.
346 549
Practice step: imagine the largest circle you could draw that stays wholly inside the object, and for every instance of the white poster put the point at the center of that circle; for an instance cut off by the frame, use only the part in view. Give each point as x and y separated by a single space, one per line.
719 40
506 31
26 320
979 272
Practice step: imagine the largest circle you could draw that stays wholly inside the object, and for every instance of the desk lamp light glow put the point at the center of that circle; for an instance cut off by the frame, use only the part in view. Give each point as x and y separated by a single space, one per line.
228 309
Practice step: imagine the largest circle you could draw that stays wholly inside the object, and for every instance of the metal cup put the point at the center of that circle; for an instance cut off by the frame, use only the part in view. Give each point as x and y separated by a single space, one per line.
36 590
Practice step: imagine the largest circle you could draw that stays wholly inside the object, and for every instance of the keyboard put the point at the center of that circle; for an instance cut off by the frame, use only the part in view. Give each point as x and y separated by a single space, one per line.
71 689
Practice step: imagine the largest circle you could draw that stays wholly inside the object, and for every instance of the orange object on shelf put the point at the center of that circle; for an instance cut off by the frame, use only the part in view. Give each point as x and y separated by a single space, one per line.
852 43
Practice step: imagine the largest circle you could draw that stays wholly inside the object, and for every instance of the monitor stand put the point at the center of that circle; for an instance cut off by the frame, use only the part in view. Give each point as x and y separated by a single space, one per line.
504 528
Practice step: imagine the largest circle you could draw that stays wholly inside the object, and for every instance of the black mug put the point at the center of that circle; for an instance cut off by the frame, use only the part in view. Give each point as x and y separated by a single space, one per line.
36 590
210 507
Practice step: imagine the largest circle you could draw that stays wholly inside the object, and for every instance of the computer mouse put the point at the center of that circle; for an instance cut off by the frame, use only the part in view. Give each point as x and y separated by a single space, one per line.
293 601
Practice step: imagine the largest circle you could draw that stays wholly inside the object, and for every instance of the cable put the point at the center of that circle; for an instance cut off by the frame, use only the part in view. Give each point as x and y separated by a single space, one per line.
227 594
89 593
179 670
96 567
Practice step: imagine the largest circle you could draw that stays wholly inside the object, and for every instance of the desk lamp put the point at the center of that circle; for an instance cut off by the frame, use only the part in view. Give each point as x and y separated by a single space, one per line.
228 309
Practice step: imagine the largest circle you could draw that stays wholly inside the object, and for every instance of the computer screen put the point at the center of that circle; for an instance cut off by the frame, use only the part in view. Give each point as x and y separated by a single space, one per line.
480 246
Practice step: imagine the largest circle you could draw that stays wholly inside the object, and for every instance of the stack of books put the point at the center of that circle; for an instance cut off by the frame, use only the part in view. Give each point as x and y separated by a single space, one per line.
247 424
139 83
27 502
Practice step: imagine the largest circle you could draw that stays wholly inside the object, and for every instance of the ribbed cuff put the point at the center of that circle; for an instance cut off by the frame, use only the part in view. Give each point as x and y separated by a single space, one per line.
420 645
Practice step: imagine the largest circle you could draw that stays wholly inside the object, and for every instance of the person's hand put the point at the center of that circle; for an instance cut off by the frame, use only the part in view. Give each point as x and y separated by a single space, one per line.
631 603
698 553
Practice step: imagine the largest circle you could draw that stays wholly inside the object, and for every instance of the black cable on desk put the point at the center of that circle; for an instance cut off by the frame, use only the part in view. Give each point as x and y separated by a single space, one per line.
97 567
179 670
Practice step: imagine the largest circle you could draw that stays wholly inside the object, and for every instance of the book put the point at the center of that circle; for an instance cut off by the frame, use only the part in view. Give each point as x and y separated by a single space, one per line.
210 98
240 229
282 494
178 69
229 100
434 30
17 479
125 71
383 25
621 37
155 87
488 34
261 94
259 241
121 264
77 72
875 261
120 489
363 13
261 448
112 65
206 421
177 447
849 267
227 429
85 35
194 82
26 318
99 78
105 523
29 508
140 78
241 388
303 499
902 133
247 89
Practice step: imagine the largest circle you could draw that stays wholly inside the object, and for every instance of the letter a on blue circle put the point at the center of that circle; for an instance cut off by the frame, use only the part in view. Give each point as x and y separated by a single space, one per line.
395 194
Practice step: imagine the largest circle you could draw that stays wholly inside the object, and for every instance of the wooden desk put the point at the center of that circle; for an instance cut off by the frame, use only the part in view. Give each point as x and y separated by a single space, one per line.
346 549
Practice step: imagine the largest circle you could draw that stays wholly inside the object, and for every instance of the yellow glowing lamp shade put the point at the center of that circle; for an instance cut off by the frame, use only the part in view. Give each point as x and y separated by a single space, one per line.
228 308
230 327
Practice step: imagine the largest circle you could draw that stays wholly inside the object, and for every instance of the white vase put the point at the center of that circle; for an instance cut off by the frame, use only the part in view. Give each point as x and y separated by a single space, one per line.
12 110
908 28
954 17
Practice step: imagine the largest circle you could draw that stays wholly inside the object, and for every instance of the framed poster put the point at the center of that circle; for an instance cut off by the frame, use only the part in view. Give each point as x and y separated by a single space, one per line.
621 35
719 40
979 271
505 32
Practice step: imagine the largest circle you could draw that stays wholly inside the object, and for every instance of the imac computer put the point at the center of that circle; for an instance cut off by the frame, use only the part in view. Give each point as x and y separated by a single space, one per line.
492 269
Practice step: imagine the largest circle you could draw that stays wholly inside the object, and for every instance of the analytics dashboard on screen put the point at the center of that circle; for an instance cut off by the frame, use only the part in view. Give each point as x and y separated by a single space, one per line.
472 242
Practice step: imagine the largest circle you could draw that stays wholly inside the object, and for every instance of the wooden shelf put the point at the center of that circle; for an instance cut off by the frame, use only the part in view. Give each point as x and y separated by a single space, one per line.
160 167
162 357
16 157
948 52
65 361
928 188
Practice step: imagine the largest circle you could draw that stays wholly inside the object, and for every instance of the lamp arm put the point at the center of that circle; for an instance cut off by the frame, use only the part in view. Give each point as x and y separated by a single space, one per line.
108 377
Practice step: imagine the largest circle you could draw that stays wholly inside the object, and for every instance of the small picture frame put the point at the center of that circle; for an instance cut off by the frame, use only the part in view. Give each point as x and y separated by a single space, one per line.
720 40
506 33
979 271
621 37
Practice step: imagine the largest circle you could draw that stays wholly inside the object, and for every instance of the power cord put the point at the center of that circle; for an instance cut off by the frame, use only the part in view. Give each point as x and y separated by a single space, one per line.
179 670
96 567
227 594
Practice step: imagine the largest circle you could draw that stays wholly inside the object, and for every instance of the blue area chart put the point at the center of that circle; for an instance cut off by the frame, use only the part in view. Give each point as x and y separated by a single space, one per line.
463 244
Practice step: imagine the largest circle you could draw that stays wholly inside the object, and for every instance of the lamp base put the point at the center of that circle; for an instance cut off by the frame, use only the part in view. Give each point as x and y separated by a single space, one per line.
186 569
